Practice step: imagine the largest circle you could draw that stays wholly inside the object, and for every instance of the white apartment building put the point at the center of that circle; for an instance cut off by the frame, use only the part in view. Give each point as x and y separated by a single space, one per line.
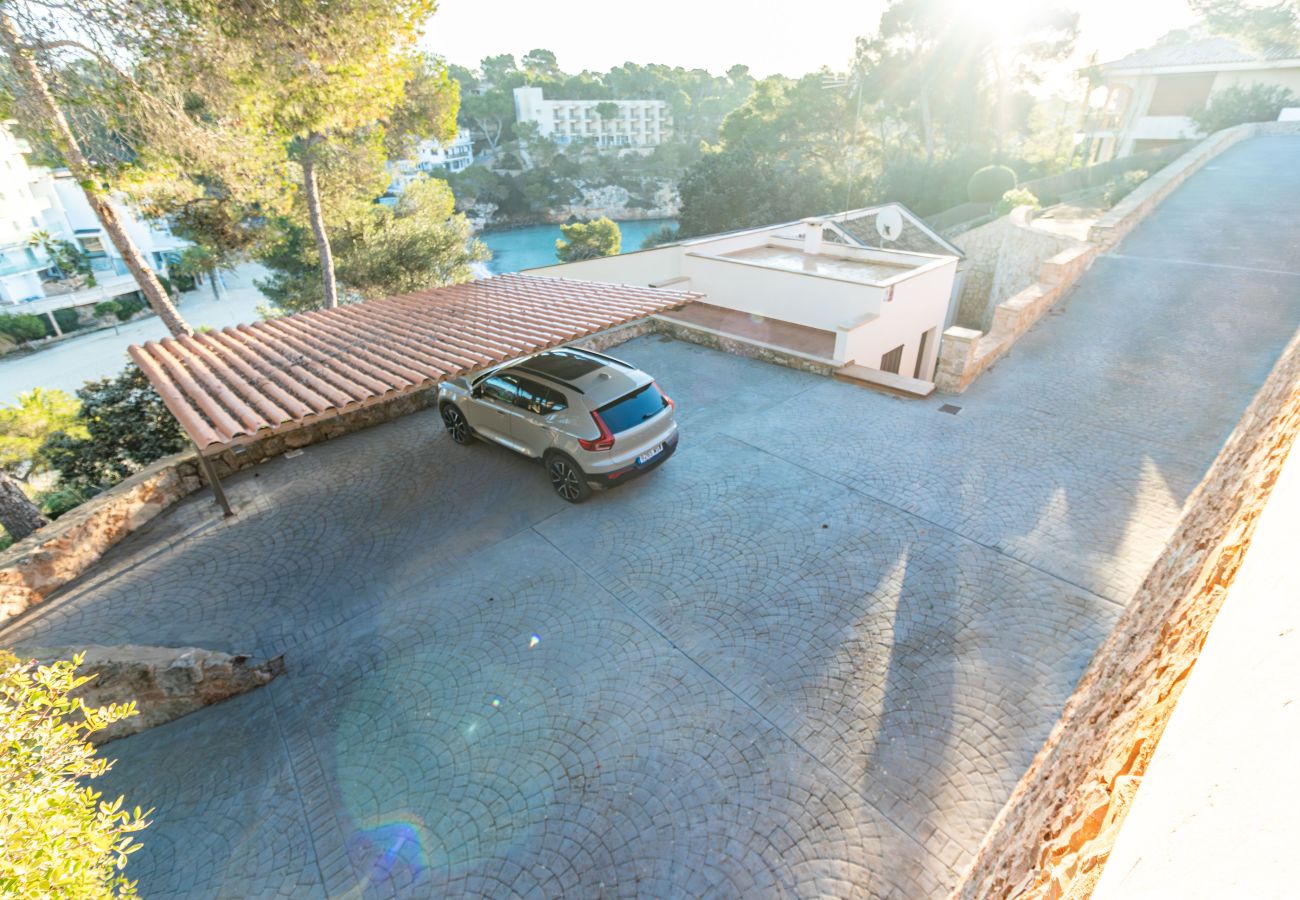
639 124
430 156
34 198
21 213
832 291
1148 97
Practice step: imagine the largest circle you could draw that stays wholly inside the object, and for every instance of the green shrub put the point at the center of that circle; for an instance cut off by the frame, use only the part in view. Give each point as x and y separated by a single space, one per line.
128 306
108 308
664 234
68 319
56 501
1016 197
1243 103
22 327
126 427
1119 188
60 837
588 240
988 184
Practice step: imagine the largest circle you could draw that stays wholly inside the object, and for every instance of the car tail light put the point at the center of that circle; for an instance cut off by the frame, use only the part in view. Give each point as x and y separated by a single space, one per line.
604 442
665 396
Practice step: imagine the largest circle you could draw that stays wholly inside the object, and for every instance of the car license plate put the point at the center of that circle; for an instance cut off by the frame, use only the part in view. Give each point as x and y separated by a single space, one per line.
649 455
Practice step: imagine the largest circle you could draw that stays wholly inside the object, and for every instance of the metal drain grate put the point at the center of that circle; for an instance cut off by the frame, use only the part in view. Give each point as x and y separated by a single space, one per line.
950 409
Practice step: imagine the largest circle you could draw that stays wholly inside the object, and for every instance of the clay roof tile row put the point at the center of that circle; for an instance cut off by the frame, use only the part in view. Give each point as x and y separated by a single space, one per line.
233 385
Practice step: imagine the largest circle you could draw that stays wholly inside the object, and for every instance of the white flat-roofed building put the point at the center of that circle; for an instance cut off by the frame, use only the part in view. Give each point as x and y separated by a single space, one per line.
830 290
638 123
1148 98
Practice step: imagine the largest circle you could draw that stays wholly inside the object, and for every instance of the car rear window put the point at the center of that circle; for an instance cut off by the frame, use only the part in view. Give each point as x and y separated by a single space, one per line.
633 409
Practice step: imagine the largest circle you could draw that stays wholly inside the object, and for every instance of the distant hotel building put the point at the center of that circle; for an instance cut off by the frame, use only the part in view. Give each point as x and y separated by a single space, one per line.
639 123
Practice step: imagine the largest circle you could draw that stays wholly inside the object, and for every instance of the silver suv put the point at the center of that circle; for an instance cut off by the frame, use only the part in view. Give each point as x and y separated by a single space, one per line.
590 418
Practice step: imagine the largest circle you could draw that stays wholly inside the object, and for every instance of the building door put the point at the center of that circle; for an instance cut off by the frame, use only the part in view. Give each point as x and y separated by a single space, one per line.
919 370
892 360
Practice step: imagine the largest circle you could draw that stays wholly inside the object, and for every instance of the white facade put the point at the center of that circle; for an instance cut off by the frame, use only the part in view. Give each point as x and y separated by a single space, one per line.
34 198
878 309
21 212
1148 98
639 123
431 156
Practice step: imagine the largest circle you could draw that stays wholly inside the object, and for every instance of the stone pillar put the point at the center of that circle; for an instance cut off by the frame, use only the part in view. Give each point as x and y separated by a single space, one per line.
956 359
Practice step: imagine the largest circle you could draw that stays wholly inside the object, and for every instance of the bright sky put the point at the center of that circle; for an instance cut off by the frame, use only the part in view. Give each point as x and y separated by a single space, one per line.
786 36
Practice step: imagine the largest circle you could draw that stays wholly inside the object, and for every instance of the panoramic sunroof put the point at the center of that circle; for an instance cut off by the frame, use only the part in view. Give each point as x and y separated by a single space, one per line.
562 364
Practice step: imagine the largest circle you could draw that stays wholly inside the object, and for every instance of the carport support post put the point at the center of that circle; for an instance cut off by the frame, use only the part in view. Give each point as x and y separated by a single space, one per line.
210 472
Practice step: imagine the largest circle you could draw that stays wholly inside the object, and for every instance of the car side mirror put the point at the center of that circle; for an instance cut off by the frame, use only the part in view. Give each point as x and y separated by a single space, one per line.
477 392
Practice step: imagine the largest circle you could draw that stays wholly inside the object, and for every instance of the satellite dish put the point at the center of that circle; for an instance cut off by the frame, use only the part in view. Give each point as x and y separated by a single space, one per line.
889 222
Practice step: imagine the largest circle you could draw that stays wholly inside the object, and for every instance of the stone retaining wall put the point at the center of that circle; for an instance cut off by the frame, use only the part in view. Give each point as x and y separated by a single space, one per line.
52 556
1053 837
1004 257
966 353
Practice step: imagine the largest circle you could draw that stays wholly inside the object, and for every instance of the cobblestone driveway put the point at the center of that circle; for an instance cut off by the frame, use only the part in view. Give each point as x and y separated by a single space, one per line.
809 656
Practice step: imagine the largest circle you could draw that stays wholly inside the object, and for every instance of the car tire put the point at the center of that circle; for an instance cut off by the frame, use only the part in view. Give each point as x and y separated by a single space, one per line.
456 424
567 478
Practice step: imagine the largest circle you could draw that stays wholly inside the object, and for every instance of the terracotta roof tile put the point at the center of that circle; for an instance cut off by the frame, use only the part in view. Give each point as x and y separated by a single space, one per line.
230 386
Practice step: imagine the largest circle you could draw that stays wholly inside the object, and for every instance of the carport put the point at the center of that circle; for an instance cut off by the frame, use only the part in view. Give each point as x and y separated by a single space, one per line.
245 383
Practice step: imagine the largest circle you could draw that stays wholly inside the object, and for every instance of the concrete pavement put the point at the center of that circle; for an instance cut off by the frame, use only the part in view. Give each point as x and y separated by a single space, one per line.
810 656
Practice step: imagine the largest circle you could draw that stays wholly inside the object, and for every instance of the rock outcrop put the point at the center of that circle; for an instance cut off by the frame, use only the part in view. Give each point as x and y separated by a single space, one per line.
165 682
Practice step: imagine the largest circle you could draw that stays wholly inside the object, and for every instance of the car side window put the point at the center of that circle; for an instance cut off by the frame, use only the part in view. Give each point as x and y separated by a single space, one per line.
500 389
539 399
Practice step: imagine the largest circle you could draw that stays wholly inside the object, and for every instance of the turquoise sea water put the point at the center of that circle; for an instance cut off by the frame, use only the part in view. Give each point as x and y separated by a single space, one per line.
527 248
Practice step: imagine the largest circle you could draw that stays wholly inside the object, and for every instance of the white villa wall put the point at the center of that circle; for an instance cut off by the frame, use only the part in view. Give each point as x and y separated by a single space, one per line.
918 305
867 327
828 304
644 267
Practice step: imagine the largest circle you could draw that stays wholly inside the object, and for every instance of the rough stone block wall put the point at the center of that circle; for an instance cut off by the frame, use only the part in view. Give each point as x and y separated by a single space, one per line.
35 567
1053 837
165 682
1003 257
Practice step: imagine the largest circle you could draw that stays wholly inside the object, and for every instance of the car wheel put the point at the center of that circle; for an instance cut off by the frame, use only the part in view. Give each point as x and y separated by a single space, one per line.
457 427
567 478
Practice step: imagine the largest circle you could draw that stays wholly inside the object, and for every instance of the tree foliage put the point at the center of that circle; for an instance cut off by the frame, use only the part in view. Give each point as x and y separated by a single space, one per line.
26 425
380 250
123 426
588 240
21 327
1240 103
1268 26
61 838
989 184
733 189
